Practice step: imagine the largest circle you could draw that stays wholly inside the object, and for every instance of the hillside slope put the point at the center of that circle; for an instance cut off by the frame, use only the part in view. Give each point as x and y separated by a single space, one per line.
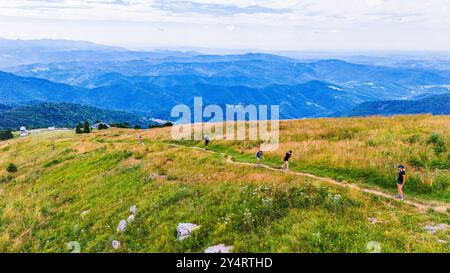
15 89
77 188
436 105
43 115
309 99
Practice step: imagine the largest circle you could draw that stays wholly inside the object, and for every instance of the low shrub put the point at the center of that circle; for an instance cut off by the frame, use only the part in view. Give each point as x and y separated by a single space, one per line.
413 139
415 183
433 138
439 147
441 182
438 163
6 134
6 178
414 161
12 168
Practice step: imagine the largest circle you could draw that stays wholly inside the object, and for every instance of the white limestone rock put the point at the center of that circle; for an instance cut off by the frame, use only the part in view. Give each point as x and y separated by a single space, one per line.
434 229
116 244
219 249
84 213
122 226
131 218
133 209
185 229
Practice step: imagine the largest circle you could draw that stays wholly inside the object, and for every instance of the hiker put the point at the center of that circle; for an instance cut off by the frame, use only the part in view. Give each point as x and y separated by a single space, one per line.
401 181
259 155
140 140
286 161
206 142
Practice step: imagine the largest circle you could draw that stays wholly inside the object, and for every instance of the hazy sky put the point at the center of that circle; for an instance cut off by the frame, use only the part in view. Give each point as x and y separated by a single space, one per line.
255 24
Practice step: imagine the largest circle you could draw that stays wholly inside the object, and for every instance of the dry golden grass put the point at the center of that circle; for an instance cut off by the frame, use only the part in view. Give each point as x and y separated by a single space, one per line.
61 174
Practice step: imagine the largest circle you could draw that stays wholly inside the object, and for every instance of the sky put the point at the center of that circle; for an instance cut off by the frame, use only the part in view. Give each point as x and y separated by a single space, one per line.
235 24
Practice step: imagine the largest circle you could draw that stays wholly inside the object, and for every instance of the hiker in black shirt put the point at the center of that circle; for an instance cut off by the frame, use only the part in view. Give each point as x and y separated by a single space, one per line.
206 142
400 181
286 161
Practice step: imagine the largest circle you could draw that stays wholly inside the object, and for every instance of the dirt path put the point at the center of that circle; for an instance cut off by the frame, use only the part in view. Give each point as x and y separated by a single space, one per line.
422 206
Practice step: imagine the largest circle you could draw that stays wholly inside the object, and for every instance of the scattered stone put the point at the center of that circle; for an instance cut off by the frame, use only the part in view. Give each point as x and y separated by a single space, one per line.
85 212
219 249
116 244
374 220
133 209
122 226
130 218
185 229
76 228
441 241
434 229
155 176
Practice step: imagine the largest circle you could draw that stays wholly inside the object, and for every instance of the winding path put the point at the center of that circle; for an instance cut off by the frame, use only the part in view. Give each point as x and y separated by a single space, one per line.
422 206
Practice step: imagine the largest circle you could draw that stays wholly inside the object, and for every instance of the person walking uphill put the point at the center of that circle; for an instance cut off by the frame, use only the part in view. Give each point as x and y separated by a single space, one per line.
401 179
206 142
259 155
286 161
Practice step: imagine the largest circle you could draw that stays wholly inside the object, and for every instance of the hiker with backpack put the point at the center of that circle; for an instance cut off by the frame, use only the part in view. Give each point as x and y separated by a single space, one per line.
141 141
286 161
206 142
401 179
259 155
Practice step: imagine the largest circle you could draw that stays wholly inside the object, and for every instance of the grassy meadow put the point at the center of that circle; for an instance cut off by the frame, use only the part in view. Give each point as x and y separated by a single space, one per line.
363 150
77 188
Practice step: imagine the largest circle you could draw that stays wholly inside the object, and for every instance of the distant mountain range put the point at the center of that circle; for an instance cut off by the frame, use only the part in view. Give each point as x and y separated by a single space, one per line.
436 105
43 115
313 98
151 83
22 52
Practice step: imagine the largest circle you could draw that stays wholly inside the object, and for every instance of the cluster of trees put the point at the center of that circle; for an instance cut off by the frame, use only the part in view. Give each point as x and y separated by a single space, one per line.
125 125
84 128
5 134
121 125
43 115
167 124
102 126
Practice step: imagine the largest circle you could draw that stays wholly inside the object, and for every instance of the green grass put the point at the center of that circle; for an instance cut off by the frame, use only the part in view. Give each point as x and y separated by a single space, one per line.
60 175
369 177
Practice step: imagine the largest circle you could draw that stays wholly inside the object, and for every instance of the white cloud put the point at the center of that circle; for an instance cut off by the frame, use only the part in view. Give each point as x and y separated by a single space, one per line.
265 24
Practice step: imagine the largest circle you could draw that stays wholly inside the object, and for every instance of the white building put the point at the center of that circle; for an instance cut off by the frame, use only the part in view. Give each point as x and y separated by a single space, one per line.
95 126
23 131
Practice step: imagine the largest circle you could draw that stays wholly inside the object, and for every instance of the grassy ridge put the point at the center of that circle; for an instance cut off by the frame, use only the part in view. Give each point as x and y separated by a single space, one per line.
363 150
60 175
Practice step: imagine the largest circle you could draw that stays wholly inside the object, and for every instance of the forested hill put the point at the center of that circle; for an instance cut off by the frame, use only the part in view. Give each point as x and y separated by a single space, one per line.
42 115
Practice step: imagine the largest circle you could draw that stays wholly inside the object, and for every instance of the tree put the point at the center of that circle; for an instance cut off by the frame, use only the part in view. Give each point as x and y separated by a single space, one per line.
5 134
137 127
102 126
86 127
78 128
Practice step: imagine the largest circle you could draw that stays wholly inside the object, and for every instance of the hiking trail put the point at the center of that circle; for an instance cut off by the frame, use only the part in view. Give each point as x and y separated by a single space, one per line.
422 205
